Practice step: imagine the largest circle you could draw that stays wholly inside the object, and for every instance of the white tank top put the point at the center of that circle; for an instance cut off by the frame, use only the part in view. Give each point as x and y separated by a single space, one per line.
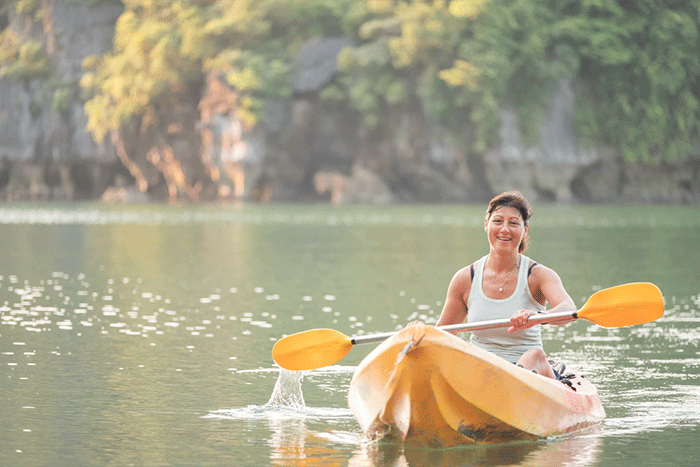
482 308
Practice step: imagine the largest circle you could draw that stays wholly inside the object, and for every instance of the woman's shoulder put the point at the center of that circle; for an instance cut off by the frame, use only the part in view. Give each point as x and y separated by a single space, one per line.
465 273
539 272
465 276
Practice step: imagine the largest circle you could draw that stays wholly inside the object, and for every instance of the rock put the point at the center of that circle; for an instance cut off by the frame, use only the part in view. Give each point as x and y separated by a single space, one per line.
30 126
428 185
316 63
124 195
361 187
545 170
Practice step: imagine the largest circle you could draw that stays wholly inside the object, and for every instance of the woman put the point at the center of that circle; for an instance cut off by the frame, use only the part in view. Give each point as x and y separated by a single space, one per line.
506 283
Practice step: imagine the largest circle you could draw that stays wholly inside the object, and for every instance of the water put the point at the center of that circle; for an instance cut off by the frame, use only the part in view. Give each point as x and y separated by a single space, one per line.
141 335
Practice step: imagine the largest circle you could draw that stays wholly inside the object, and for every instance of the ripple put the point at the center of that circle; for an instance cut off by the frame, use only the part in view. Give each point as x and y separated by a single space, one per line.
644 410
271 412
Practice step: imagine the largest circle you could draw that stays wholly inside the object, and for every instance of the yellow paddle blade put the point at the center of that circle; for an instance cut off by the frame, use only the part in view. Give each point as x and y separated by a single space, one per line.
624 305
313 349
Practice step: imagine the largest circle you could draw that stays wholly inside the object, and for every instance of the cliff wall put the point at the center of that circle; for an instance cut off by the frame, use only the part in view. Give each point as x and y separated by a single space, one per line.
303 149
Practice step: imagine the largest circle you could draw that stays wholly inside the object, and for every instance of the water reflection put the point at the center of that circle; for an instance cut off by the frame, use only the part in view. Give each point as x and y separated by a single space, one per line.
293 441
575 450
293 444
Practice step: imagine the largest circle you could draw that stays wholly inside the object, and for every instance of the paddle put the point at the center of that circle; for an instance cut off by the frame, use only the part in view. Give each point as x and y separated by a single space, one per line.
616 307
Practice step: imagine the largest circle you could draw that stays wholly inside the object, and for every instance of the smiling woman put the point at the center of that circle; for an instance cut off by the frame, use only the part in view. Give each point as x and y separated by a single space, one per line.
509 209
507 284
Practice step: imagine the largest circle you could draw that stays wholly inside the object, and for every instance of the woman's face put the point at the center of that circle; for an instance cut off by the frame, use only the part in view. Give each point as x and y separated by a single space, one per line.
505 229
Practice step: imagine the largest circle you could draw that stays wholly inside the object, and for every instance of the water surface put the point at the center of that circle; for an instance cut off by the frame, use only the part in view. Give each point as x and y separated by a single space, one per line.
141 335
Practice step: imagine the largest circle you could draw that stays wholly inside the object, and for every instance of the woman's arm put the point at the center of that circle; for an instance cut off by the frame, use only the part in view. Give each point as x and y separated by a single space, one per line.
455 309
547 286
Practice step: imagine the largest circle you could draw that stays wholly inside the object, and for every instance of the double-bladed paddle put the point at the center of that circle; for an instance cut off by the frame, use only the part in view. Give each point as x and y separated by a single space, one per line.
616 307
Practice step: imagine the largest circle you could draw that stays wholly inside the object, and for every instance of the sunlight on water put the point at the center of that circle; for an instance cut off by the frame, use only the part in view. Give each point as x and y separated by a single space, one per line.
460 216
77 305
101 215
34 307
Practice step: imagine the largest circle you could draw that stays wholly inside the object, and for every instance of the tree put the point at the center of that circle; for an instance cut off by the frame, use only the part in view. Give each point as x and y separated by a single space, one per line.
162 52
635 65
639 65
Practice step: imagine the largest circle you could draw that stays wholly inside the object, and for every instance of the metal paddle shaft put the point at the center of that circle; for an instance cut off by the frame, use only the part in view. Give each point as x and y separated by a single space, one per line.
619 306
540 318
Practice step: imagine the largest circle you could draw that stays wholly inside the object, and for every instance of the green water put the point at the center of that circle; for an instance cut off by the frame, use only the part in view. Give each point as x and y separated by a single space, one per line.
141 335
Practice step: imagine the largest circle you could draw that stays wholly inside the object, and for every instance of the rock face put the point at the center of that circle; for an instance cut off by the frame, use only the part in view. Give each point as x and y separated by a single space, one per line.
546 169
303 149
316 63
45 149
361 186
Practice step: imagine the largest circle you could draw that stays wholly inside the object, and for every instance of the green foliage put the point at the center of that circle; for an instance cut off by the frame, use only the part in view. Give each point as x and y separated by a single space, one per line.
640 64
156 56
96 2
409 55
161 48
26 6
635 65
22 60
61 99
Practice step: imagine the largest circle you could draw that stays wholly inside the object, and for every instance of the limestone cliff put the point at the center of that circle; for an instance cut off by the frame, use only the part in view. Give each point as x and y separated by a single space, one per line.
45 151
303 148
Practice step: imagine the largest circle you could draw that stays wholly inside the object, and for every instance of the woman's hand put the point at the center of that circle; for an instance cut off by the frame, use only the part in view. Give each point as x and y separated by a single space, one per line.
519 320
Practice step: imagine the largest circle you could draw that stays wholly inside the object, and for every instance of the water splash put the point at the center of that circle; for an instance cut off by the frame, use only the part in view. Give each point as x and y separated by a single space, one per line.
287 390
286 404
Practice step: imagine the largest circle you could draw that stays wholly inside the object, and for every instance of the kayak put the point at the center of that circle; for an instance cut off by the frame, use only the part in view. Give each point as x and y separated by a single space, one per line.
424 386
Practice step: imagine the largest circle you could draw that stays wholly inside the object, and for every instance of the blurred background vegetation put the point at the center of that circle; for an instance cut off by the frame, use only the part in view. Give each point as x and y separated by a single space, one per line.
635 64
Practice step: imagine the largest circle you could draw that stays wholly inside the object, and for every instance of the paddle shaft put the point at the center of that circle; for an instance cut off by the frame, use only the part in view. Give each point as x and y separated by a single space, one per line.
539 318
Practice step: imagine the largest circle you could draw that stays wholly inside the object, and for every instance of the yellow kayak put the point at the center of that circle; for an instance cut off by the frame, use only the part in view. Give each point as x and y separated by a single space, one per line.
425 386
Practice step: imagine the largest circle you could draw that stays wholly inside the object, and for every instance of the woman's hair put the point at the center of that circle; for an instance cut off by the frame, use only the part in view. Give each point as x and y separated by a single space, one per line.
513 199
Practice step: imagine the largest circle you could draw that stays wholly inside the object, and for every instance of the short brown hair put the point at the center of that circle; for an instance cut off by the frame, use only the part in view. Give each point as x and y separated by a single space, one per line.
515 200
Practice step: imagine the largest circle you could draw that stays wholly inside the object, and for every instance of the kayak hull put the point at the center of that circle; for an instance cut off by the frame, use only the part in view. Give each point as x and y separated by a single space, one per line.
424 386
